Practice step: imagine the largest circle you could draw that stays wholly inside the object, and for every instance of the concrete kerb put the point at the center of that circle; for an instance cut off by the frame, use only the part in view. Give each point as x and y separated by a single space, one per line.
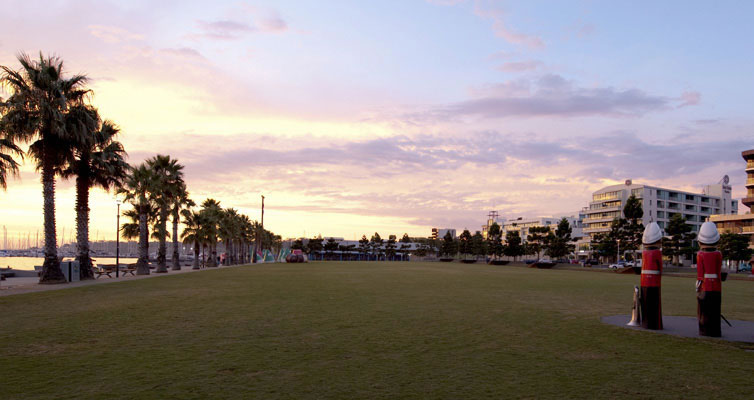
13 286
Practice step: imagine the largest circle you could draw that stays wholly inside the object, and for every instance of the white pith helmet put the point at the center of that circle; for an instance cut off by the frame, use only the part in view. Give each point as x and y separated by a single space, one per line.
652 233
708 233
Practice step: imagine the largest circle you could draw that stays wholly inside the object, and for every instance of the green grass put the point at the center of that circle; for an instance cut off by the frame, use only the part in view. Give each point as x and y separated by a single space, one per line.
363 330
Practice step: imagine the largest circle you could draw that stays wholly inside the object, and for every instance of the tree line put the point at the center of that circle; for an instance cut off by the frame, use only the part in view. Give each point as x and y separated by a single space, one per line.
557 243
67 138
376 247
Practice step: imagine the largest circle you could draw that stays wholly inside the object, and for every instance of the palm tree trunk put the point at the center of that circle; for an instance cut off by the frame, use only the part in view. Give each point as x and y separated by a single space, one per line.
162 266
51 272
196 255
142 265
176 254
212 262
82 226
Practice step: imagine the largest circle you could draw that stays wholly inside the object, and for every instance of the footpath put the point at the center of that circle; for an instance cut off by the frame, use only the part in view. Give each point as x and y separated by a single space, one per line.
20 285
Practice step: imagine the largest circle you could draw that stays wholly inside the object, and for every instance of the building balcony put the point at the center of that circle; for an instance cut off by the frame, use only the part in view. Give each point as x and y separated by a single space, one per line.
594 210
595 230
748 201
599 219
747 229
750 182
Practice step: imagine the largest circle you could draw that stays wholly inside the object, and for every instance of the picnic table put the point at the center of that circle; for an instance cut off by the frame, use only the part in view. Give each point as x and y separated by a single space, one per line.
108 269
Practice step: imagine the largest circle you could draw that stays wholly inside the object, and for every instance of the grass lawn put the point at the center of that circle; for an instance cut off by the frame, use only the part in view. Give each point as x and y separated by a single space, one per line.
363 330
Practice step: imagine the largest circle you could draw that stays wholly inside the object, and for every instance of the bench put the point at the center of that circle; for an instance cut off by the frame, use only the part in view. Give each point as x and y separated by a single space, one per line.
100 270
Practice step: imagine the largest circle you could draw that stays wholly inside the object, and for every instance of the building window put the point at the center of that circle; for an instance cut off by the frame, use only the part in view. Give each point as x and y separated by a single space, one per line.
606 196
660 204
690 197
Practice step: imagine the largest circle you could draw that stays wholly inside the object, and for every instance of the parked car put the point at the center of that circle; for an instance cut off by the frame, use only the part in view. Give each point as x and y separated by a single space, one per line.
621 264
592 261
744 267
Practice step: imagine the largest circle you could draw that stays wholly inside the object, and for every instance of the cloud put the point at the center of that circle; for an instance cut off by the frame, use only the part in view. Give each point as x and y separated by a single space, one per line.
553 95
182 52
502 30
709 121
231 29
623 155
224 29
520 66
585 30
272 23
690 99
444 179
113 34
614 155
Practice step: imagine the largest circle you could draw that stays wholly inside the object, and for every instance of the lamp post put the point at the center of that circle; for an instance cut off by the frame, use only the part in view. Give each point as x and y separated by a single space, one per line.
117 240
617 256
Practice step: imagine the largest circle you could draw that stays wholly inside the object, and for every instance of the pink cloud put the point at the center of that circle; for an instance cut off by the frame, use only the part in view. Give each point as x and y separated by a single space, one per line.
113 34
520 66
501 29
690 99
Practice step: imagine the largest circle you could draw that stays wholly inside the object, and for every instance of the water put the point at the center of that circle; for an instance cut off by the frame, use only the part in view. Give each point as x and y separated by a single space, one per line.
28 263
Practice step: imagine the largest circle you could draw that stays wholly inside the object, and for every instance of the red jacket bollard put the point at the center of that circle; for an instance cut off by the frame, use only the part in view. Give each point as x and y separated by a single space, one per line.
709 263
651 278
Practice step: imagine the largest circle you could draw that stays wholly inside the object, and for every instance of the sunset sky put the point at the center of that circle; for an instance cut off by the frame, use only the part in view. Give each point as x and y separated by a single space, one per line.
397 116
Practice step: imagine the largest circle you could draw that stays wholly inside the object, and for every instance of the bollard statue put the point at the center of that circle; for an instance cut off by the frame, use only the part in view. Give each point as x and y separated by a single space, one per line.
709 263
651 278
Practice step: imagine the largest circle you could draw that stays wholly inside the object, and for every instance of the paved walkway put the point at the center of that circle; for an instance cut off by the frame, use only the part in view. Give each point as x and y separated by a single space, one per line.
12 286
741 331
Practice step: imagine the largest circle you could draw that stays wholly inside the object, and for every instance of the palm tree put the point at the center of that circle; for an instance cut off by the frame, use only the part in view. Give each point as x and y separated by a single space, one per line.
194 232
247 236
229 232
168 182
99 162
7 164
137 189
212 213
36 110
180 201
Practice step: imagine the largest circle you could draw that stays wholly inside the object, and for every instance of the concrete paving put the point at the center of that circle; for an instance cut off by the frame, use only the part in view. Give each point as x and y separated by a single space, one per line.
741 331
12 286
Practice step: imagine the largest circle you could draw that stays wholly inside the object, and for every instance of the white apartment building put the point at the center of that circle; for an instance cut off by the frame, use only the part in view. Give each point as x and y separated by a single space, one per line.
659 204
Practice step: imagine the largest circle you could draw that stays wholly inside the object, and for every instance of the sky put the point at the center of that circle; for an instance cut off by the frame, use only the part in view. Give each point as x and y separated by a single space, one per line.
354 117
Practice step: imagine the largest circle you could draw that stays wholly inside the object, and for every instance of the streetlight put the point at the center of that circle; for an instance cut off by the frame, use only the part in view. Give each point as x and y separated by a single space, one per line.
117 239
